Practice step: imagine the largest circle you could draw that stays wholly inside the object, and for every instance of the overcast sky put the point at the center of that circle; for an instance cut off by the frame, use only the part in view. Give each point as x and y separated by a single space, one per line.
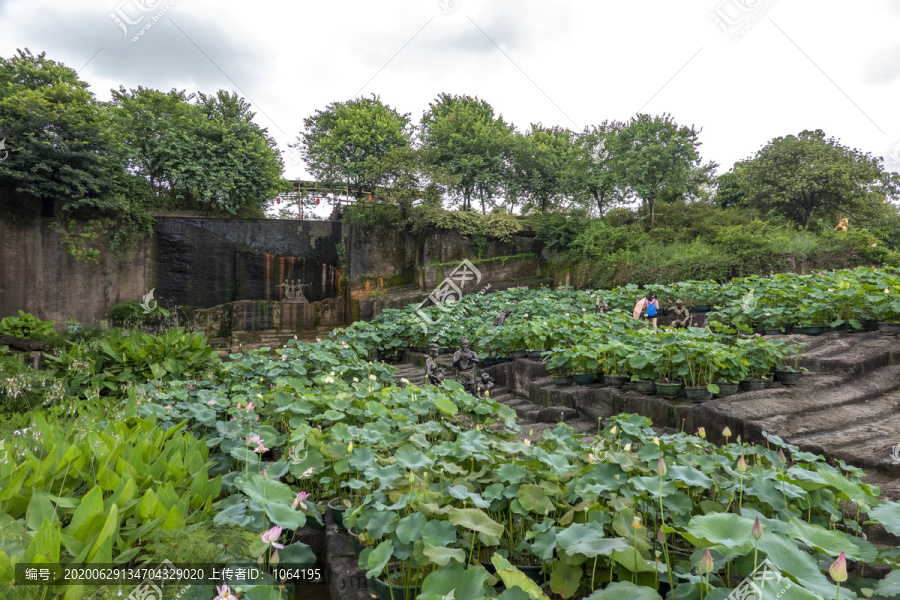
745 71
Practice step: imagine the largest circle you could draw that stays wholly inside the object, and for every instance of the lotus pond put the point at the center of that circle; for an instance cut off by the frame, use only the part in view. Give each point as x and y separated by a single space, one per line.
448 497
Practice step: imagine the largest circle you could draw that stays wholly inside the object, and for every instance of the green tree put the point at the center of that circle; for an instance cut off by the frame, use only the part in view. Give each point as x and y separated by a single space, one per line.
59 138
802 176
343 143
540 158
590 176
197 151
462 135
407 178
657 159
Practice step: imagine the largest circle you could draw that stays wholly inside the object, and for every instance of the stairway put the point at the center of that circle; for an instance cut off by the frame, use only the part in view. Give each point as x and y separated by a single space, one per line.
533 419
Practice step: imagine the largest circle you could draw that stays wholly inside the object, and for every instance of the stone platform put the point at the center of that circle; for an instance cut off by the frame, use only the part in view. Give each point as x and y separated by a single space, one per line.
846 407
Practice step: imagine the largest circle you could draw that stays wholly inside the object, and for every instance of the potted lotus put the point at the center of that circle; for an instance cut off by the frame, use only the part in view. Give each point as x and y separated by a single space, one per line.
731 369
559 363
789 371
584 364
701 370
643 365
614 356
761 355
668 384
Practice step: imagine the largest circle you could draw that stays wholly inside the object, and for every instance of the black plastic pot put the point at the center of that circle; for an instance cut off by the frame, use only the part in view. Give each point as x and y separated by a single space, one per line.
726 388
698 394
615 381
583 378
788 377
753 385
562 380
645 386
668 390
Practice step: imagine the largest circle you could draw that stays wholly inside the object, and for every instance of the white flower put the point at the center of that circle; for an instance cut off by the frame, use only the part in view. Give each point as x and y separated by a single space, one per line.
372 377
329 380
355 380
404 381
526 315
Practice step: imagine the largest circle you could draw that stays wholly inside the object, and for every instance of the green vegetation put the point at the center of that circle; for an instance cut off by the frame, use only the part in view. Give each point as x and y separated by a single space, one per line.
163 451
109 165
25 325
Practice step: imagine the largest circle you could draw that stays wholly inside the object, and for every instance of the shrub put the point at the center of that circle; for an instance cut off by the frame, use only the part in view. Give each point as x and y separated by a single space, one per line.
25 325
122 358
125 312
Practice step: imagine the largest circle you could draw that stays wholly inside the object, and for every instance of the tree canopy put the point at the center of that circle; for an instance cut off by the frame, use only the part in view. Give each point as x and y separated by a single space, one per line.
60 140
656 159
804 176
197 151
462 135
343 143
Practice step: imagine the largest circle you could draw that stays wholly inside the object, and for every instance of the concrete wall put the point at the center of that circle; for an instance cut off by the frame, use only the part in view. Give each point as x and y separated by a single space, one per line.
231 271
39 276
203 262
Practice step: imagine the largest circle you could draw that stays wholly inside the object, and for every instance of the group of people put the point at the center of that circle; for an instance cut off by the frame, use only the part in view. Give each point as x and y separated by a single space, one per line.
648 308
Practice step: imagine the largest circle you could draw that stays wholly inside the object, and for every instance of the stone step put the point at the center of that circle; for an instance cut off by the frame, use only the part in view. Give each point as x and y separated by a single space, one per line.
836 418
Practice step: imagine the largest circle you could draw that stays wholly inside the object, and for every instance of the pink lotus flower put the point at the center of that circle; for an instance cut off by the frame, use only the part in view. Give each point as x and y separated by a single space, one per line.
190 387
756 531
838 569
249 406
168 407
284 357
300 500
253 439
271 537
706 561
224 593
211 403
661 466
260 449
239 405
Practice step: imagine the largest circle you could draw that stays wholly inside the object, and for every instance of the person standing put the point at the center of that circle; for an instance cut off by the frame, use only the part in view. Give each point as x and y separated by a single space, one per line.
647 308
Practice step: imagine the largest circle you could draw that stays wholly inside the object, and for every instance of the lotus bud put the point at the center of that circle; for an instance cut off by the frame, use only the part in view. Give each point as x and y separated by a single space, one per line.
838 569
661 467
738 440
613 430
706 561
756 530
742 464
350 447
726 433
702 433
781 456
627 447
656 440
660 536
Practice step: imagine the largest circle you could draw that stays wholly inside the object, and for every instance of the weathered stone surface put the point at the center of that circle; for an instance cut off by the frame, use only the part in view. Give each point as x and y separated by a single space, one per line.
203 262
39 276
555 414
23 344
